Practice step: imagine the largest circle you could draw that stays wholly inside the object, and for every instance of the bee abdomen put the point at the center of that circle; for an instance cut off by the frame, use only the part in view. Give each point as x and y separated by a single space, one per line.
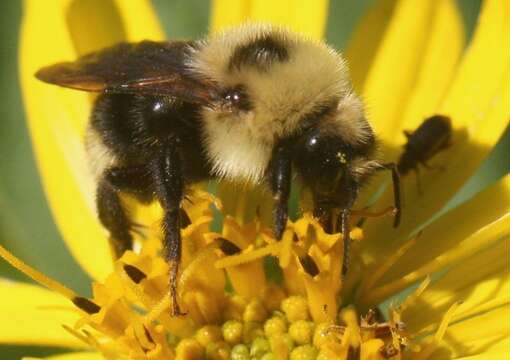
100 157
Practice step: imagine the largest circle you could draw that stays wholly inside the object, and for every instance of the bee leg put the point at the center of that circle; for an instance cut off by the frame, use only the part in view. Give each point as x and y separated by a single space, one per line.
168 186
345 213
395 179
133 179
280 182
330 223
325 217
113 217
345 226
109 207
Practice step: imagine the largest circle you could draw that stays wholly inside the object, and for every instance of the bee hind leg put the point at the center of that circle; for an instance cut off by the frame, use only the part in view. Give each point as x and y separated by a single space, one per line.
168 186
113 217
132 179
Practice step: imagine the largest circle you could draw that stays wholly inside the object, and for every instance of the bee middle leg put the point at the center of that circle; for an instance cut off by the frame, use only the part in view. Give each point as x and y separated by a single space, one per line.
169 187
280 181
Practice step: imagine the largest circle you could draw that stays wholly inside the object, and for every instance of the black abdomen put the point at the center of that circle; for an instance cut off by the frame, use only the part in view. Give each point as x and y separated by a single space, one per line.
134 128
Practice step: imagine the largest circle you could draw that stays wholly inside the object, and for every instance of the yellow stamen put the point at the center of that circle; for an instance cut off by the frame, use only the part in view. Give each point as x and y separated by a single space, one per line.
446 321
157 310
429 349
77 334
187 275
36 275
234 260
411 299
374 276
390 210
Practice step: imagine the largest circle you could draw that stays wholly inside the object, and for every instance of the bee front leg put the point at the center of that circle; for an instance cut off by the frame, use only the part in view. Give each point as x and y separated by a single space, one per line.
395 179
331 224
280 170
168 186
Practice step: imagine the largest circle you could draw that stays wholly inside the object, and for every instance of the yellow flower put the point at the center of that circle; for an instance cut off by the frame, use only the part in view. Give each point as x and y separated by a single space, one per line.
407 58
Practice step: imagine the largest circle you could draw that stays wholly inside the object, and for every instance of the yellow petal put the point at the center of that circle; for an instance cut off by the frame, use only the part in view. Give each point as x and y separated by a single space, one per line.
393 72
486 288
34 316
431 39
486 333
449 230
308 17
76 356
366 39
433 342
53 32
226 13
484 237
489 356
479 104
439 63
139 19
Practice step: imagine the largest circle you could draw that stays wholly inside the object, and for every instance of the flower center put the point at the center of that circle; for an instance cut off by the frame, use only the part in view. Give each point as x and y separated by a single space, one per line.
246 296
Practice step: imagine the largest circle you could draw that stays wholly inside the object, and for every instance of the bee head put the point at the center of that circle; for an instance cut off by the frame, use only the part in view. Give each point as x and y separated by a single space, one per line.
274 84
270 78
332 168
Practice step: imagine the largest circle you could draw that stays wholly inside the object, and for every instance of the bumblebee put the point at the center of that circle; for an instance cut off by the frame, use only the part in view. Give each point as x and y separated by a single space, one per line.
253 104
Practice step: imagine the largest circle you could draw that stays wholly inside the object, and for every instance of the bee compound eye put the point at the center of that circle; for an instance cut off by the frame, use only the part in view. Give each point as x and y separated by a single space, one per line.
237 99
233 96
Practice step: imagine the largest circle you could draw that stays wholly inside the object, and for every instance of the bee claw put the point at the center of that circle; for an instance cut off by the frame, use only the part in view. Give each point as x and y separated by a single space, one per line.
176 312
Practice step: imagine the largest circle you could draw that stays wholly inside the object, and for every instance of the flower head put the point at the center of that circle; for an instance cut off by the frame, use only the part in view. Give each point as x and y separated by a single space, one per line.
247 295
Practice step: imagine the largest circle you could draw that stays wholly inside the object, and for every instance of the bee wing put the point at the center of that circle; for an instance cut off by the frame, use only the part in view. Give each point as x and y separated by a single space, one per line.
147 67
